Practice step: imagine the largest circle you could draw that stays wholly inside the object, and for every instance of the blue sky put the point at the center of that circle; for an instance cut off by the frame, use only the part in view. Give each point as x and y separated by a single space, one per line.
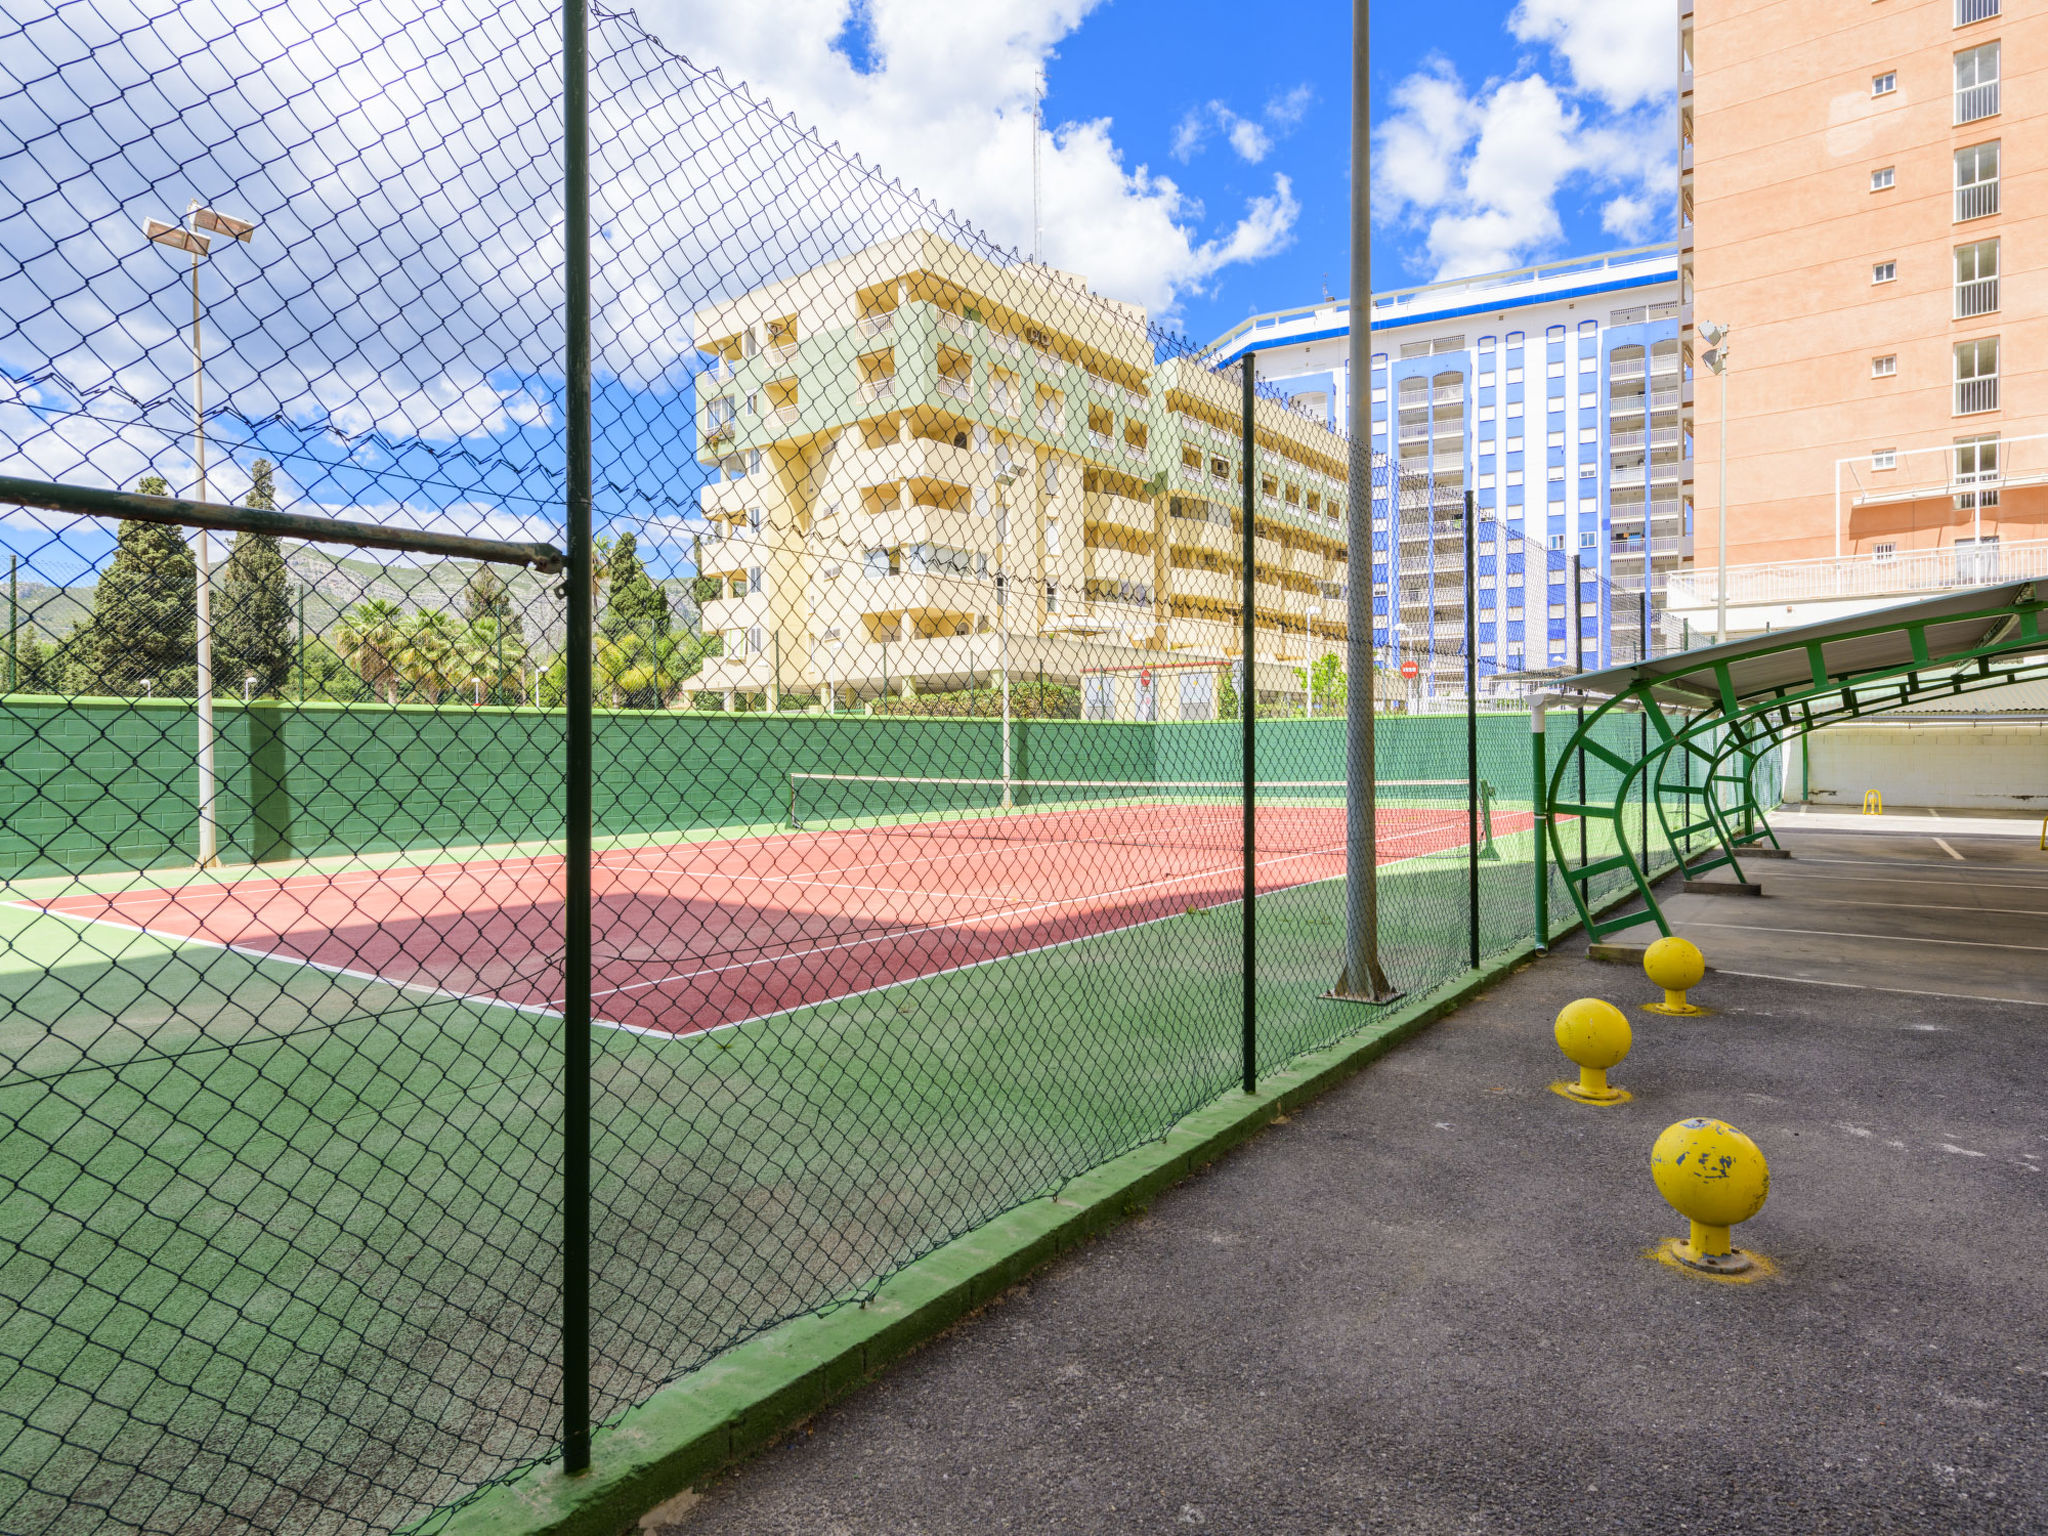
1202 54
392 336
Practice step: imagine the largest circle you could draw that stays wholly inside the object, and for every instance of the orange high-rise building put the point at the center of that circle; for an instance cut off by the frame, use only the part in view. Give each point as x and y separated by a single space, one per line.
1862 205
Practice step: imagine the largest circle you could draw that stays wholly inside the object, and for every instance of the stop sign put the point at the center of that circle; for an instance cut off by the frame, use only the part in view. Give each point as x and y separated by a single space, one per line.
1410 669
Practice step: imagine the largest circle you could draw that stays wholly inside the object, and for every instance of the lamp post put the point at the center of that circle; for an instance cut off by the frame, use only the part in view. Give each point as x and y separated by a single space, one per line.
1716 358
195 237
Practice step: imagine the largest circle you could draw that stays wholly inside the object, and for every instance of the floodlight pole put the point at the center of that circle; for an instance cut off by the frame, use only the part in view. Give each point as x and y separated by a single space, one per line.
1362 980
209 832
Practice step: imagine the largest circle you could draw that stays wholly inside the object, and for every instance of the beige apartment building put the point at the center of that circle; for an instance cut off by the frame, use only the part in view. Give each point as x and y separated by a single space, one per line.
1862 204
928 467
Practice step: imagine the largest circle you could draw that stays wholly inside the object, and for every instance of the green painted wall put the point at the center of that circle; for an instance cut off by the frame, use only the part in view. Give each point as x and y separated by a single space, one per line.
105 784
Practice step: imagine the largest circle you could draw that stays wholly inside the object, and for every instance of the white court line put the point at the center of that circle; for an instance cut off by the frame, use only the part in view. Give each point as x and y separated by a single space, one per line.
1860 986
964 924
1890 938
1805 858
1970 883
950 970
1910 906
1944 847
246 953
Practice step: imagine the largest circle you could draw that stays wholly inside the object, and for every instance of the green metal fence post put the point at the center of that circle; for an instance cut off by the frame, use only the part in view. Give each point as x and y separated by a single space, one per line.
1248 710
576 912
1471 734
1538 770
13 622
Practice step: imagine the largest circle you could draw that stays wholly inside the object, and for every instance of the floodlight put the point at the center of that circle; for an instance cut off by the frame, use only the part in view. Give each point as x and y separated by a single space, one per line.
223 223
175 236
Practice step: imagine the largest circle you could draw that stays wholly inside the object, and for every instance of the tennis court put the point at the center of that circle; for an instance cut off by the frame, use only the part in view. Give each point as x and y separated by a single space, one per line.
878 881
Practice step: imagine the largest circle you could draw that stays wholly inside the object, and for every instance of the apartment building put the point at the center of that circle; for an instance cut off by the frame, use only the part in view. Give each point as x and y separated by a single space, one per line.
925 467
1860 206
1555 394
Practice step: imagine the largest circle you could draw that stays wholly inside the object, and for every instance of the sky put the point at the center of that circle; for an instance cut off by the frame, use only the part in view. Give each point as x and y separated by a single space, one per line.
1198 159
392 336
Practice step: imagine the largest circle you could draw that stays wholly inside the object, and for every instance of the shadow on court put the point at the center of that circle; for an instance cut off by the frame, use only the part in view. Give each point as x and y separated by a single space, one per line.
1424 1305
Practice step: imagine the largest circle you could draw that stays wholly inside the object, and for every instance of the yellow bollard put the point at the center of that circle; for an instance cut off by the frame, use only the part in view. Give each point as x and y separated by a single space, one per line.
1595 1036
1676 966
1715 1177
1873 802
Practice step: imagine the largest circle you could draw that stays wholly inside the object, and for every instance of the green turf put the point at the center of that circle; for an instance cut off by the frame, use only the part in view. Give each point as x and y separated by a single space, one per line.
280 1246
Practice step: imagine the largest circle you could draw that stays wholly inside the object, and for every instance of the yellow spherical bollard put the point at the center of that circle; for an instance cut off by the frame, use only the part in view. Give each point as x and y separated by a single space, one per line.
1715 1177
1595 1036
1677 966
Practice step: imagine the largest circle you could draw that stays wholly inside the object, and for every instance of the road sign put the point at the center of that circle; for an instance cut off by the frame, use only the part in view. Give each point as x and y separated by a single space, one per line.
1410 669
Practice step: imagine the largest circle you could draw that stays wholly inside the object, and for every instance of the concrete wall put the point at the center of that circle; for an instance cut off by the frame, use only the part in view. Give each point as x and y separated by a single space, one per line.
1937 764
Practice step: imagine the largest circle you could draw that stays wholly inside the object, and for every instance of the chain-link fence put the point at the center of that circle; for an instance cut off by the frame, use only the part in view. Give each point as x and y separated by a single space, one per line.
362 1136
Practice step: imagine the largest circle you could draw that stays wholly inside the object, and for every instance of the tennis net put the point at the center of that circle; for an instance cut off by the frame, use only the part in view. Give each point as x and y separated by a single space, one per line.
1293 815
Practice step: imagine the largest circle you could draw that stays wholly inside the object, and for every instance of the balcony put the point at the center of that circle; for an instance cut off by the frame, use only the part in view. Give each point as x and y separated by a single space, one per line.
877 325
1974 103
1976 395
1977 200
954 387
1219 587
1862 576
1188 533
1118 565
1118 511
875 391
1627 368
1976 297
784 415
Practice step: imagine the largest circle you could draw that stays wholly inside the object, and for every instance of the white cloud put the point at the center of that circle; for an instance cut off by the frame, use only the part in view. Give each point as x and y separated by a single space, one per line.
1251 138
1623 51
946 107
1480 172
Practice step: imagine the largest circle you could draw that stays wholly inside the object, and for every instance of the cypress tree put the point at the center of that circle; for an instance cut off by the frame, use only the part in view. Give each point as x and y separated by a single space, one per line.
486 596
637 605
253 612
145 614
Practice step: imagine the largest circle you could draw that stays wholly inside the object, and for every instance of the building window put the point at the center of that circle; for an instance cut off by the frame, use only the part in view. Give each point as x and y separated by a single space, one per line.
1884 84
1557 370
1884 458
1976 376
1968 11
1976 473
1976 83
1977 181
1557 542
1884 180
1589 539
1884 553
1976 279
1884 367
1885 272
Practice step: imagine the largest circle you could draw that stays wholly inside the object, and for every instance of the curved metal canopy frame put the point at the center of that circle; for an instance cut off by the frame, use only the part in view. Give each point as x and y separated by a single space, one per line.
1717 715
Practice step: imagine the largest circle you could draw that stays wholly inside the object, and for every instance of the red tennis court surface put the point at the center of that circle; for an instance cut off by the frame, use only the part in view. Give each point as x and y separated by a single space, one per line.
690 936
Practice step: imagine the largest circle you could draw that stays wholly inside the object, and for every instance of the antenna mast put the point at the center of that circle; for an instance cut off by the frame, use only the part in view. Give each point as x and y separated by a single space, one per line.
1037 124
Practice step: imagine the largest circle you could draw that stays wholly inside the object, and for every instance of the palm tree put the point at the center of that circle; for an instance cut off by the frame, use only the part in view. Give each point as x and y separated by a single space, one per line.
430 655
368 640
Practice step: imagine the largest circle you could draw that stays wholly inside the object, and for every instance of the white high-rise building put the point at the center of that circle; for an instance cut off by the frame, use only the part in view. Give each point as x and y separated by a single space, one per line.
1556 394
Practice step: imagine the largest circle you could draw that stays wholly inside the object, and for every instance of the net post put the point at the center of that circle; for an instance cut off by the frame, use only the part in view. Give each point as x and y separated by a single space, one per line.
13 623
1248 712
1361 979
1471 733
1579 665
576 909
1538 790
1643 718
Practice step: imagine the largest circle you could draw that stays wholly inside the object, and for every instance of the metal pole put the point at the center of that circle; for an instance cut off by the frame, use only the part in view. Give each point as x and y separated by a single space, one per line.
1003 632
1361 977
1643 721
1721 536
1248 710
1471 733
300 653
1538 791
13 623
209 836
576 937
1579 665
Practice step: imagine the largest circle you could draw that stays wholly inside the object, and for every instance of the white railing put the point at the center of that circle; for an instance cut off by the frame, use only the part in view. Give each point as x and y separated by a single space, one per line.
877 325
1977 200
1975 102
1099 439
1618 442
1968 11
1443 393
1133 451
1048 362
1915 570
879 389
956 389
1628 368
1975 395
784 415
1979 296
948 321
782 352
